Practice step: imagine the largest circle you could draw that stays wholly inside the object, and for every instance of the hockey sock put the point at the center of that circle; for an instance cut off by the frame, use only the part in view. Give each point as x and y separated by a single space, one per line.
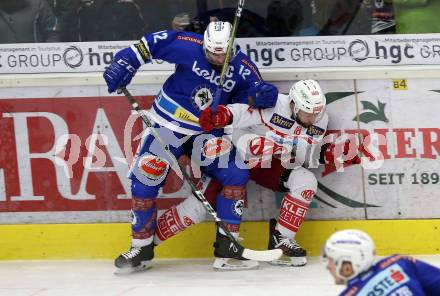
292 213
144 220
230 204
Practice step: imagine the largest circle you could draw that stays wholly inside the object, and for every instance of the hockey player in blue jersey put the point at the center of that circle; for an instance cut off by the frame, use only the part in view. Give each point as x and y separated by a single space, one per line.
184 95
350 260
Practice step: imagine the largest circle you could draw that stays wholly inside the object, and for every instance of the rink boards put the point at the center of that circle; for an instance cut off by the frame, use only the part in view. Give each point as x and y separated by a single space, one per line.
67 152
80 203
66 146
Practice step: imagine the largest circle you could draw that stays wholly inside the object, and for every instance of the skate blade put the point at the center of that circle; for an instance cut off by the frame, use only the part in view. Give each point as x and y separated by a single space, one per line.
290 261
234 264
145 265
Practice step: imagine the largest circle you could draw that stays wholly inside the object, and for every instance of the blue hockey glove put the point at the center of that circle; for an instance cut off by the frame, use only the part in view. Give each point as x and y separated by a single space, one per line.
265 95
121 70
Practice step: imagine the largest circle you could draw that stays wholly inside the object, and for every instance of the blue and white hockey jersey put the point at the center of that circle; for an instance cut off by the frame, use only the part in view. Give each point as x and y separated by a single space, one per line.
190 89
396 276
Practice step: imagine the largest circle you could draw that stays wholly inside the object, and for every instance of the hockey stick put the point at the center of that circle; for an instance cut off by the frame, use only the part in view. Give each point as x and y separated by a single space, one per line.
267 255
225 67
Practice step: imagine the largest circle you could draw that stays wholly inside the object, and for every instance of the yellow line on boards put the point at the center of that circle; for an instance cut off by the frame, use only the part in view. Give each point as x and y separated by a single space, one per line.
106 241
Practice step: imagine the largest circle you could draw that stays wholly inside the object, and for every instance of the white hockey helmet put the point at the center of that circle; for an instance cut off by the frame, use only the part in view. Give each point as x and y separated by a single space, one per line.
352 246
308 97
216 38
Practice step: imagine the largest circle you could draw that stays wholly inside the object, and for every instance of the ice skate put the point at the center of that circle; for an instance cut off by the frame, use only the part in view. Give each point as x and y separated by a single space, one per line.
227 257
135 260
293 253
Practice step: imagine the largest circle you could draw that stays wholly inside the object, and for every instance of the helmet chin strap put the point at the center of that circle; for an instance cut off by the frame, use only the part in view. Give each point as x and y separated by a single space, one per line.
342 277
294 110
345 279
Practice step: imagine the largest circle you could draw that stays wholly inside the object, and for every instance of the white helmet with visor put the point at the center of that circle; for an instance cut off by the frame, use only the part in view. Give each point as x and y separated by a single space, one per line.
216 39
308 97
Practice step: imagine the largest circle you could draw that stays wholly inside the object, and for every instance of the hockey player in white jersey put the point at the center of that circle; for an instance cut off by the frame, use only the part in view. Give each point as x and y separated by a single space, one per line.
278 144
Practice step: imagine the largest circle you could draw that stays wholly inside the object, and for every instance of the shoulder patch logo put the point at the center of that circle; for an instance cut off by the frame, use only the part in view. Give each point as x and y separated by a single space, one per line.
238 206
202 97
281 121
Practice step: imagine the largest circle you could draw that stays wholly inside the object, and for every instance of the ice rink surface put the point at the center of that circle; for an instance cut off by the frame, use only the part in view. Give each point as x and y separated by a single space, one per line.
167 277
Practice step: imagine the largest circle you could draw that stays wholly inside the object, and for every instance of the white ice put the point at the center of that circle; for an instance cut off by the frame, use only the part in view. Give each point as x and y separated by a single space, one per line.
167 277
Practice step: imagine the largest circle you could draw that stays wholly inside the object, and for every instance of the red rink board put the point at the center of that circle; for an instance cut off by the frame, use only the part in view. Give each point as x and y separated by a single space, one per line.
44 120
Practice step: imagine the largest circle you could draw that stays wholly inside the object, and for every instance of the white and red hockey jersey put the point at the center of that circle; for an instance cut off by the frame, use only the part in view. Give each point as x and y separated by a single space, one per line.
260 134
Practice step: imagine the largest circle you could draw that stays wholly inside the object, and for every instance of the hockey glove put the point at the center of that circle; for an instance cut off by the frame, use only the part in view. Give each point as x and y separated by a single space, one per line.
208 120
264 94
121 70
